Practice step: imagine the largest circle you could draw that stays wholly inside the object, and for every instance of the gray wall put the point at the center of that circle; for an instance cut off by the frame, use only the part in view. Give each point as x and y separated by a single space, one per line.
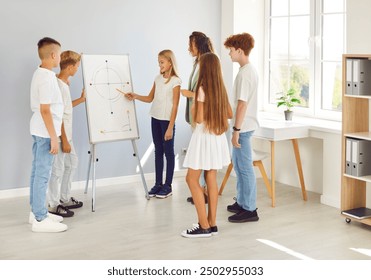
139 27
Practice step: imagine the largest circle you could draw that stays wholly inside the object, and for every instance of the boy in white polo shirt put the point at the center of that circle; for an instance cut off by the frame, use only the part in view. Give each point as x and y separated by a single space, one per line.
65 162
45 127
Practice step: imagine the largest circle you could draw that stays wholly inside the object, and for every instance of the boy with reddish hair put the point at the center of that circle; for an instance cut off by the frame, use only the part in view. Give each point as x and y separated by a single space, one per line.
245 121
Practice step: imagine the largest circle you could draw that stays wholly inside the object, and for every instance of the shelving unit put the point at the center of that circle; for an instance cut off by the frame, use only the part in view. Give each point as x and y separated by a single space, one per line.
355 124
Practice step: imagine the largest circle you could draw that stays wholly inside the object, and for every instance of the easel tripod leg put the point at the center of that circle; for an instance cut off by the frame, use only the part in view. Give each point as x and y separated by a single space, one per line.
88 175
140 168
94 181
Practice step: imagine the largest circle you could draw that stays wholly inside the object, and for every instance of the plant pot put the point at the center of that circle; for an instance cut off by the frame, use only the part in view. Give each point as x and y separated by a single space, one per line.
288 115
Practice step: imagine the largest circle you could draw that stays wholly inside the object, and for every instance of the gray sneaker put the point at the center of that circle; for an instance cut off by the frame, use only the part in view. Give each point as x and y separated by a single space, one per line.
73 203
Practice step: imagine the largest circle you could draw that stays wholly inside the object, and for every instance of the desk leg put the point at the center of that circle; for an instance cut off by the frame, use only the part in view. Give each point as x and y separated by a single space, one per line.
300 169
273 179
225 179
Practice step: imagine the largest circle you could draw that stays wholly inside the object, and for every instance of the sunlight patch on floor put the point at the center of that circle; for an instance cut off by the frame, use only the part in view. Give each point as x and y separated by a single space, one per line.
363 251
284 249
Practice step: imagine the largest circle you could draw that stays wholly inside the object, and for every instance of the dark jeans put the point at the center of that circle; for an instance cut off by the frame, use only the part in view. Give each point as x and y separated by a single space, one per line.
163 147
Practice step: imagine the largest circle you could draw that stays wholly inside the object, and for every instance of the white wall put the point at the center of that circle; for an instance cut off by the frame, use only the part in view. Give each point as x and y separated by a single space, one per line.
139 27
358 26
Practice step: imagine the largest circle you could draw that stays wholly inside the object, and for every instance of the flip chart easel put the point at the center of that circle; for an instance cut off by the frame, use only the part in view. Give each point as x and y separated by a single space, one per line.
111 117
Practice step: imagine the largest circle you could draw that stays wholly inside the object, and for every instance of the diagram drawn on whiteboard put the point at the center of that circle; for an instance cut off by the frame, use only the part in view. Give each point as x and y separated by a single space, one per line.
110 115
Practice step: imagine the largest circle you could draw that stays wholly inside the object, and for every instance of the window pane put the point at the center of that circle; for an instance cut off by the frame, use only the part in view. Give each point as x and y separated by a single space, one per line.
331 86
279 38
332 37
299 81
301 7
299 37
279 7
333 6
277 80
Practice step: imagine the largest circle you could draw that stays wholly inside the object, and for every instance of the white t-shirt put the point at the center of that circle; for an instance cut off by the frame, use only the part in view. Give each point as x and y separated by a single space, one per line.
45 90
245 88
162 103
67 113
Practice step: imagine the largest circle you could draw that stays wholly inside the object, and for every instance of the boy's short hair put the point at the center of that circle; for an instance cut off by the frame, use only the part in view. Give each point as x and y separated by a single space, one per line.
44 46
243 41
69 58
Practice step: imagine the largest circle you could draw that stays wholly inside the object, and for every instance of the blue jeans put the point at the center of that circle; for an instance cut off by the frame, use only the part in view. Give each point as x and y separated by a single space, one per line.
40 174
243 166
162 147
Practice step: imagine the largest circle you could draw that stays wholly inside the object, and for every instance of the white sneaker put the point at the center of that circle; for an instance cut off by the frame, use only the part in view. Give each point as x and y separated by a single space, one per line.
48 225
55 218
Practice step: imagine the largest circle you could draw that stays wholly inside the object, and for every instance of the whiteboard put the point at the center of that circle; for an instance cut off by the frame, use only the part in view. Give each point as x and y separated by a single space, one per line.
111 117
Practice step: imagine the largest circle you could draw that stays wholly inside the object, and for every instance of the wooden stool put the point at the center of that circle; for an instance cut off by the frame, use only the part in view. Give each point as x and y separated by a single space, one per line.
258 162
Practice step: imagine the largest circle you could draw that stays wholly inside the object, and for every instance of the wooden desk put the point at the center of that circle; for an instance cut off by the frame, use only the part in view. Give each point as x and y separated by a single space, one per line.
275 130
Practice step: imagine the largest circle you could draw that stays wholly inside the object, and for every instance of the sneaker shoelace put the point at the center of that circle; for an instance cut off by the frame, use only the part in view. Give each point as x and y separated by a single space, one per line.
74 201
62 209
195 227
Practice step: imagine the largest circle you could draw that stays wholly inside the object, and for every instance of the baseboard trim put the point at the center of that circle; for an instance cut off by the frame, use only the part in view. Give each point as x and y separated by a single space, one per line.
329 201
25 191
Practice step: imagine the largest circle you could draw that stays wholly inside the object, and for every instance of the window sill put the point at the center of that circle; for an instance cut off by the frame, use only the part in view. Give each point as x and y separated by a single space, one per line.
318 125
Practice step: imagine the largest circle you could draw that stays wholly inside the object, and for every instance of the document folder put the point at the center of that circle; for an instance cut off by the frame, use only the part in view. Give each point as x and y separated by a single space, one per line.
348 156
361 157
360 77
349 73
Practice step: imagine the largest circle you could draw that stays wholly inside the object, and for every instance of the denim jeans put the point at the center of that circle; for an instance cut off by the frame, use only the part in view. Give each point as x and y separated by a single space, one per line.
243 166
40 174
162 147
63 169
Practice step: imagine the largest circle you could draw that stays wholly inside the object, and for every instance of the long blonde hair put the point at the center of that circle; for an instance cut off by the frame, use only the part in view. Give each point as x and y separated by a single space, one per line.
169 55
216 102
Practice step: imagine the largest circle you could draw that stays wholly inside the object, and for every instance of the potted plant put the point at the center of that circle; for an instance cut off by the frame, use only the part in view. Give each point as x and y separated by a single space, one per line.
288 100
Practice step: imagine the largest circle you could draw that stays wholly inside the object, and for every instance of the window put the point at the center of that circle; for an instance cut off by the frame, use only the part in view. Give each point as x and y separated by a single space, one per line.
305 46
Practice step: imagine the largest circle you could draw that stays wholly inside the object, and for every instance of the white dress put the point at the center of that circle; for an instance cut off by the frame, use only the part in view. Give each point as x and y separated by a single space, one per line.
206 150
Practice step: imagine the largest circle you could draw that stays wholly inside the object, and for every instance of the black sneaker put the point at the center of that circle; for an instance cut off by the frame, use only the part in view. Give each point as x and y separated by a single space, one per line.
72 203
234 208
244 216
62 211
164 192
155 189
197 232
214 230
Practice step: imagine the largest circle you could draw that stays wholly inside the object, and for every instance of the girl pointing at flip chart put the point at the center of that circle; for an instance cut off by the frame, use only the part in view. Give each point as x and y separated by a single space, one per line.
164 96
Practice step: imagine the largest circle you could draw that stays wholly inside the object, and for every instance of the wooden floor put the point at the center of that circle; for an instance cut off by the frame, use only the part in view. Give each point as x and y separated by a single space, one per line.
127 226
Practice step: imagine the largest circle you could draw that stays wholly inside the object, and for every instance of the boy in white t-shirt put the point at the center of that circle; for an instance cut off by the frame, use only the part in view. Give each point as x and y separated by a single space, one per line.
45 128
245 121
65 162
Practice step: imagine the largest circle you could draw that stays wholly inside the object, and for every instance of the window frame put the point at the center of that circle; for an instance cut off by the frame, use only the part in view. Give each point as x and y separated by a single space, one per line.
314 108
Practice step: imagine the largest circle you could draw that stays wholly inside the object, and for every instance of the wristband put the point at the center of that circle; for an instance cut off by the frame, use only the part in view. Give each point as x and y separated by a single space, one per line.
236 129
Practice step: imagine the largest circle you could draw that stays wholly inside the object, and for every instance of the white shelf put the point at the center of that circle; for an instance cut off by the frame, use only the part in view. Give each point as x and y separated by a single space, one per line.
358 96
366 135
362 178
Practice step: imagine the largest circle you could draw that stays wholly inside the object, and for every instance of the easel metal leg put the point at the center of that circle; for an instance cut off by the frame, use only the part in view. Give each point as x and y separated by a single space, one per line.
94 181
140 168
88 175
